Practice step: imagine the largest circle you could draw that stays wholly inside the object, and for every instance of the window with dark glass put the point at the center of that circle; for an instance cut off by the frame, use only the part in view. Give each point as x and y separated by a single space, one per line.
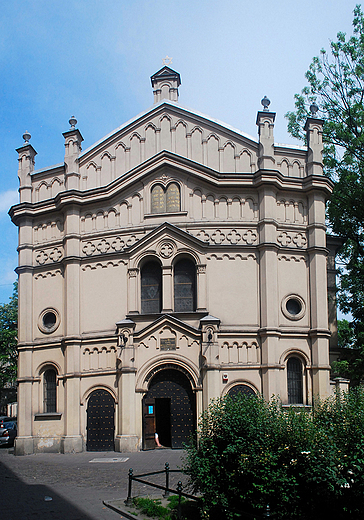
184 286
166 200
294 381
50 391
151 288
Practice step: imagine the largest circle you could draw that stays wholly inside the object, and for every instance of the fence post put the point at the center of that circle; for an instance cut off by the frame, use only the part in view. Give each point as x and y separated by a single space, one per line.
179 491
166 466
129 501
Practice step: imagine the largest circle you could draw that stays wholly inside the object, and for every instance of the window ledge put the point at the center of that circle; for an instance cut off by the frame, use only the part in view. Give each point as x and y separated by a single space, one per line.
166 214
55 416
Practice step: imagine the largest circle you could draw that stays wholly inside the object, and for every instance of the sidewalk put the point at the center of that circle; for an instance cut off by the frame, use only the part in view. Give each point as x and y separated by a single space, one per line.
71 487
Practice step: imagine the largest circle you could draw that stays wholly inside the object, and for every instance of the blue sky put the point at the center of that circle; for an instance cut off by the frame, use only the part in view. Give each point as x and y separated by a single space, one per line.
93 59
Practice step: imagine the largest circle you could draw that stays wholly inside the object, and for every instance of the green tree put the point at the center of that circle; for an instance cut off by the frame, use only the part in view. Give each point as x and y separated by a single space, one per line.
303 464
8 340
336 85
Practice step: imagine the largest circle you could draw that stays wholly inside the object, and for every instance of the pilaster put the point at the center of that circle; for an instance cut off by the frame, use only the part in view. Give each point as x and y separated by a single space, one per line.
313 128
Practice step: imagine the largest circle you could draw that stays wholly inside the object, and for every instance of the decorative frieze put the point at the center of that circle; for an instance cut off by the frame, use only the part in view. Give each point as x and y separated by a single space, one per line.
48 256
113 244
292 239
228 236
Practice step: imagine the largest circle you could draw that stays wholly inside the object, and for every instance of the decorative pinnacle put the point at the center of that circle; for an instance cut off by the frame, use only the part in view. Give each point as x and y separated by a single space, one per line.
73 122
26 137
265 102
314 109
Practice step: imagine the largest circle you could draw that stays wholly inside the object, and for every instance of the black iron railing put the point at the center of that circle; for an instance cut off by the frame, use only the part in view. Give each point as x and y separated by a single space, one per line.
167 490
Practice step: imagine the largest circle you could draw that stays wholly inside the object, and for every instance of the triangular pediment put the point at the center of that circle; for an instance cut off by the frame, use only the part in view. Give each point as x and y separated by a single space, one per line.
167 326
166 73
166 240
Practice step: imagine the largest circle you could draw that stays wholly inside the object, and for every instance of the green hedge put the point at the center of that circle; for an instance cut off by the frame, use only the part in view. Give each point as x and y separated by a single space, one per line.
303 464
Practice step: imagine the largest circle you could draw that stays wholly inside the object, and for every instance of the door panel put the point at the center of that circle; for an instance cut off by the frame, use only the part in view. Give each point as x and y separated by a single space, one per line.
149 424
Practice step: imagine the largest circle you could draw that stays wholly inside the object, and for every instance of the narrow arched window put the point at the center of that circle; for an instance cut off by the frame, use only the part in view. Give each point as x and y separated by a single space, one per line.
184 286
158 199
50 391
151 288
173 202
165 200
294 381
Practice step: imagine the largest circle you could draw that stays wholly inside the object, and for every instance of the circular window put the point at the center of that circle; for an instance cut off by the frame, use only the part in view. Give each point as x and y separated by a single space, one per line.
293 307
48 321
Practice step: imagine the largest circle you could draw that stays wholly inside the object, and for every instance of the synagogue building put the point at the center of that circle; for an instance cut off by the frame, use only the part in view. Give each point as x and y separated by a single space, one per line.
174 261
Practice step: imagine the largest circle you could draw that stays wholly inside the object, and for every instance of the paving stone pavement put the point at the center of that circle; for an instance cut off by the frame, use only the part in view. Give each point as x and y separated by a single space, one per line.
76 486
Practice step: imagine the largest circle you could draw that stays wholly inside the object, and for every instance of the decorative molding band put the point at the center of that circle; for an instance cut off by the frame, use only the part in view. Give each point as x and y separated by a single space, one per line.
113 244
292 239
224 236
48 256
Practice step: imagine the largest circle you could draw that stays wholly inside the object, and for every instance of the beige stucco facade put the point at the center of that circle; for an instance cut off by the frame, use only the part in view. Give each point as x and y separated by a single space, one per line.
249 215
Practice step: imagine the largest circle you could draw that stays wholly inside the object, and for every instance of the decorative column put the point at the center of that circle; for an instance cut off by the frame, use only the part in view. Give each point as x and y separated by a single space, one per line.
133 290
201 288
24 441
167 284
126 439
210 353
73 140
313 129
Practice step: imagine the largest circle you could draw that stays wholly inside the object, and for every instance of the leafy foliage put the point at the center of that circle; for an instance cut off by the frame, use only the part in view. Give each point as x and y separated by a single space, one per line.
302 464
336 84
8 340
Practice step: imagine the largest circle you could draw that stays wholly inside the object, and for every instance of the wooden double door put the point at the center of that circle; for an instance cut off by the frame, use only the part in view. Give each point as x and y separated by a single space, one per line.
169 409
100 421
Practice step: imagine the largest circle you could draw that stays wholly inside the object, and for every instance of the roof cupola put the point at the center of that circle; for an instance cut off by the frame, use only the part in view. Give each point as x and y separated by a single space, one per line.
165 84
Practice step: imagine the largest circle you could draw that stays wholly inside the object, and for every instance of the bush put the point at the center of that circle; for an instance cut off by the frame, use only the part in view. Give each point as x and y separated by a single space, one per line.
303 464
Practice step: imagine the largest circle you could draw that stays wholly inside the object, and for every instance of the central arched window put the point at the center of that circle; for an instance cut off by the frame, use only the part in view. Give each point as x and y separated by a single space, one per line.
166 200
151 288
50 391
184 286
294 381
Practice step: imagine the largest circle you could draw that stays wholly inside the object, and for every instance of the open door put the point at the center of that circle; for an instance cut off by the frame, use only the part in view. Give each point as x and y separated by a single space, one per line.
149 424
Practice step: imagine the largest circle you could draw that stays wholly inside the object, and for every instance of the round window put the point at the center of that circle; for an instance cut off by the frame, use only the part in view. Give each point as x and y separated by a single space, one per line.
48 321
293 307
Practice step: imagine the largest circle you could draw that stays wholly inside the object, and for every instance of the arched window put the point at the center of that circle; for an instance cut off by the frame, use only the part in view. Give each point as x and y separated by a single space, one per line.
294 381
50 391
166 200
240 390
151 288
184 286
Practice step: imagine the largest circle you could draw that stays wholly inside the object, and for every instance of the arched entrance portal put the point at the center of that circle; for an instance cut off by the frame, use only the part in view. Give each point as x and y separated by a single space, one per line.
100 421
169 409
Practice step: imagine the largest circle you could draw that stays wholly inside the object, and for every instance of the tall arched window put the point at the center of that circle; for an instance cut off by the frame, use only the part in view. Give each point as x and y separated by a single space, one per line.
50 391
166 200
184 286
294 381
151 288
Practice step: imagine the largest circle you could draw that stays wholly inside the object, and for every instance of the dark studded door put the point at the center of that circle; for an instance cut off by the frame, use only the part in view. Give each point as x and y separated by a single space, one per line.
175 407
100 421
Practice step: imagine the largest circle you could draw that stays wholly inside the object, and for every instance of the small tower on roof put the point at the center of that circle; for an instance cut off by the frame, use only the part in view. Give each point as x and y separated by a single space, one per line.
165 84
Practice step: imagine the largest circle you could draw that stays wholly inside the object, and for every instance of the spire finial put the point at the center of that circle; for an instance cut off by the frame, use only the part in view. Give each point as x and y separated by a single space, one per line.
167 60
73 122
314 109
26 137
265 102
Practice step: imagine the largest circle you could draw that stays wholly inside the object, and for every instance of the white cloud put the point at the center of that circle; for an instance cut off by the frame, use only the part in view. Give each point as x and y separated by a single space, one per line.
7 199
